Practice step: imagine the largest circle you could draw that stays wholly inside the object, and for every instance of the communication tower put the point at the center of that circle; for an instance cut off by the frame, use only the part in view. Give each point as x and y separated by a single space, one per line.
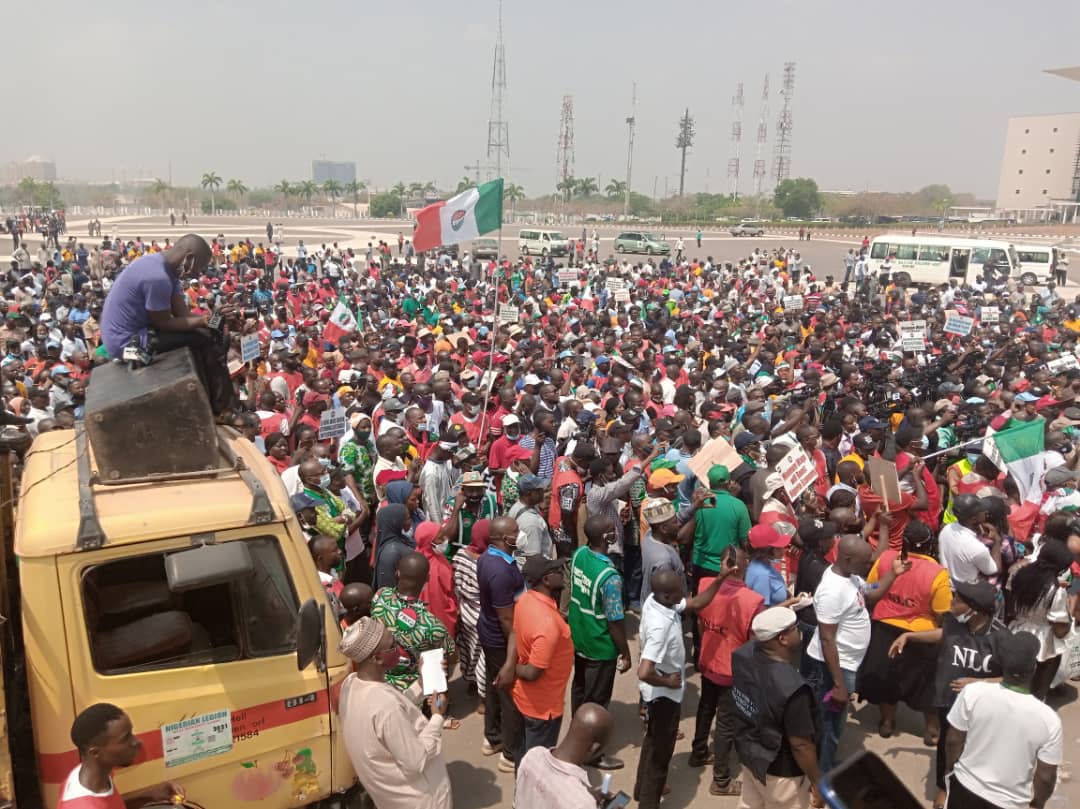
782 145
762 136
736 141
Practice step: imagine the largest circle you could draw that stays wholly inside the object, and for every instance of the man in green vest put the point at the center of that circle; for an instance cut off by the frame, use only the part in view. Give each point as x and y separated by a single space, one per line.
596 623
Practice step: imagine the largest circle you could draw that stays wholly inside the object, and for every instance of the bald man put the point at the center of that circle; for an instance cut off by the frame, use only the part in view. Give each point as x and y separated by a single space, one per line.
146 304
356 601
549 777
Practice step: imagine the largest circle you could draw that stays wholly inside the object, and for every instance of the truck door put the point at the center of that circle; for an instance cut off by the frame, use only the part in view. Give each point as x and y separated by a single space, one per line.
207 669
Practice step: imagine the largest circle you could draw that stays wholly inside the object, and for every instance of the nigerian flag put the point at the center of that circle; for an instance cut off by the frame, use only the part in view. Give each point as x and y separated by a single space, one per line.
1019 451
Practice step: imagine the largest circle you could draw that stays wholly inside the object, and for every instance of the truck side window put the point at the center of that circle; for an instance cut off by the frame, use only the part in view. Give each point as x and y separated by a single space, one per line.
135 623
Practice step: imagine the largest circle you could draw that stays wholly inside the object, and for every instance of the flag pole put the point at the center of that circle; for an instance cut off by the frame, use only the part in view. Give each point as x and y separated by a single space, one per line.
494 330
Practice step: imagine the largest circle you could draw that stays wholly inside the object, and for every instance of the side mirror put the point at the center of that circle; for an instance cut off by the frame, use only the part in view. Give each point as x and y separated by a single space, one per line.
311 635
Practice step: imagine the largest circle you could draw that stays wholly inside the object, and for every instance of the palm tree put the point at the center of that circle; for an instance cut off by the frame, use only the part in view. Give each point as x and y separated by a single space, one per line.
354 187
513 193
238 189
332 188
28 190
399 190
616 189
430 189
463 185
587 186
307 190
212 181
284 188
568 186
159 189
416 190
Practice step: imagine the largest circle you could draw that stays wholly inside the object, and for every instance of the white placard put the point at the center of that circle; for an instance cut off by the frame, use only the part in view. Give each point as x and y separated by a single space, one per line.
798 472
1064 363
508 314
432 675
911 343
793 303
197 738
569 276
249 347
615 284
332 423
958 324
915 328
989 314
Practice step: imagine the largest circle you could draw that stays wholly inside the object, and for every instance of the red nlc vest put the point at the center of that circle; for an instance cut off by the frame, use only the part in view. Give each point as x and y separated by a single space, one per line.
910 595
564 474
725 626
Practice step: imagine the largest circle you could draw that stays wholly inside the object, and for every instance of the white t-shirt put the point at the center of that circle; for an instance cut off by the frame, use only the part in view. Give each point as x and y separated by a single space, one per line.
999 766
544 781
963 554
840 601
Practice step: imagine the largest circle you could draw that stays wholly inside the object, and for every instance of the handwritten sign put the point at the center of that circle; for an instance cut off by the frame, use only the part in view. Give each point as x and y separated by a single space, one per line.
249 347
332 423
509 314
568 276
716 452
989 314
958 324
1062 364
913 335
793 303
797 471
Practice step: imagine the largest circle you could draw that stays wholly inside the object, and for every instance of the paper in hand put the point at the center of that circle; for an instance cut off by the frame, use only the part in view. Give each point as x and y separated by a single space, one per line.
431 672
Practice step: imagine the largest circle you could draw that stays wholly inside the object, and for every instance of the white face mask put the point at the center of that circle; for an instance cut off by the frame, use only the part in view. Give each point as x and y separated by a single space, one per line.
965 617
442 546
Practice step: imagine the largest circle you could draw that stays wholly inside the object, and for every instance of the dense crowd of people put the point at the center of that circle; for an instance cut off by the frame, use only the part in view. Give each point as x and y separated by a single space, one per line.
559 475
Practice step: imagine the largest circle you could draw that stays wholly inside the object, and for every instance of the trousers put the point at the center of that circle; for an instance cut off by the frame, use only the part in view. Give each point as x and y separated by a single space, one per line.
497 702
594 680
832 722
661 728
522 733
715 701
960 797
791 793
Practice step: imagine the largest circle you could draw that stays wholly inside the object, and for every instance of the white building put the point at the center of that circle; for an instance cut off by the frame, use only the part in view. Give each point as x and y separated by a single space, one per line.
1040 161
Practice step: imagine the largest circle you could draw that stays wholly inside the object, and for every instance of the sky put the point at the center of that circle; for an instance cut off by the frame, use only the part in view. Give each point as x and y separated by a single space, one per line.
896 99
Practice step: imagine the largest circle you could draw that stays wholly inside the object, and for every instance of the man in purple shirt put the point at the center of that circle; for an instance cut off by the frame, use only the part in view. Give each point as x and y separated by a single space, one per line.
146 303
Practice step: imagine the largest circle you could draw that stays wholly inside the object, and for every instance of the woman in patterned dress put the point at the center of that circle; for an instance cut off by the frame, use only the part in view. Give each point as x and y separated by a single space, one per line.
468 595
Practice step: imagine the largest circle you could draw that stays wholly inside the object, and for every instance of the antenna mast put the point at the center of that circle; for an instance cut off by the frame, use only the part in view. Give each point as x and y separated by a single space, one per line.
762 136
498 145
736 141
630 123
782 147
564 154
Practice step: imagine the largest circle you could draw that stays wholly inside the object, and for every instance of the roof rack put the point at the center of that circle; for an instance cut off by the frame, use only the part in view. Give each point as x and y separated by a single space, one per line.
90 534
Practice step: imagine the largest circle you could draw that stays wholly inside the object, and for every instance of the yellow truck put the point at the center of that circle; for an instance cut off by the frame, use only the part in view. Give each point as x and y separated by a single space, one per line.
187 598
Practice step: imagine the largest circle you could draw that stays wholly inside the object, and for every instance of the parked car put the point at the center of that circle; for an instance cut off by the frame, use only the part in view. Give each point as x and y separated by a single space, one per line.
639 242
486 248
748 229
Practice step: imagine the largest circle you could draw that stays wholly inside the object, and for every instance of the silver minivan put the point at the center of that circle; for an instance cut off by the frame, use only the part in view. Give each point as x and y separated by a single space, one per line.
542 243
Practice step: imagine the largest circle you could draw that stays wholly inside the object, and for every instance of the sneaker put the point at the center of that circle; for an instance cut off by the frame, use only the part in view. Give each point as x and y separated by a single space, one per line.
489 749
505 764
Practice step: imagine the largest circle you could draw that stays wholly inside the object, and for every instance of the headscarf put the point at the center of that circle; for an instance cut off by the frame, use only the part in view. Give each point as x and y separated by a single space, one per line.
438 593
398 491
389 521
481 536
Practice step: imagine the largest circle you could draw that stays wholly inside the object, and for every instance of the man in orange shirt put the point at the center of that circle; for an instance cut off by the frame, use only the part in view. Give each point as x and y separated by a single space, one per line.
545 659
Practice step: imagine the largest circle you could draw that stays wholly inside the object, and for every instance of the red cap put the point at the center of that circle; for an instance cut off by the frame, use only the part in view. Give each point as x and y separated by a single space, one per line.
1046 401
765 536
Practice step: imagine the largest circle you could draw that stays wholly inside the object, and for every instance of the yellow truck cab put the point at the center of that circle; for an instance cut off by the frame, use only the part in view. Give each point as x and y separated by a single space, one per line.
190 600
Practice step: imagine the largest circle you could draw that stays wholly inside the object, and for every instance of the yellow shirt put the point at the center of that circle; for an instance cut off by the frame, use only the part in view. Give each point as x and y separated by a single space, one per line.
940 599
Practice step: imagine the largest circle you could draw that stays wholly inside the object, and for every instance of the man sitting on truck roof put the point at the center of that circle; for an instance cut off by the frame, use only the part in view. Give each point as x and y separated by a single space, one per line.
146 302
105 739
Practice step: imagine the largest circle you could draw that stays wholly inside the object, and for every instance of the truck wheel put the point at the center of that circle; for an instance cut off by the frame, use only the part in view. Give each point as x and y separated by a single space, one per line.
902 279
1029 279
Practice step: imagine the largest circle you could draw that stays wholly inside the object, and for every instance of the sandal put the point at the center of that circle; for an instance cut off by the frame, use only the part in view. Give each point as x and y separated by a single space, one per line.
732 787
451 723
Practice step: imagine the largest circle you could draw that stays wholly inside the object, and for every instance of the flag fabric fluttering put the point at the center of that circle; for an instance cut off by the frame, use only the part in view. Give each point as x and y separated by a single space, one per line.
1018 450
467 216
342 321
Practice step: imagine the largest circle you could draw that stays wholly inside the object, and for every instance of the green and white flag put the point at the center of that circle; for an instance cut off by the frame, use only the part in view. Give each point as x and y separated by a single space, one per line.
1019 451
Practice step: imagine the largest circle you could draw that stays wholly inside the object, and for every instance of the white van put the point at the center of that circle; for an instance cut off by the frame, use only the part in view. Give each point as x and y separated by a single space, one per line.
542 243
936 259
1036 263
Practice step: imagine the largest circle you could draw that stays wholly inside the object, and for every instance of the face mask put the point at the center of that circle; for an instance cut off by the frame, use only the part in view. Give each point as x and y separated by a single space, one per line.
972 458
363 437
965 617
324 481
513 439
390 658
442 546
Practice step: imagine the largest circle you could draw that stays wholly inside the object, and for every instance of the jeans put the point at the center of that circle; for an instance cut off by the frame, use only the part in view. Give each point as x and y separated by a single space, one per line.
594 680
661 728
497 702
210 362
715 701
523 733
832 722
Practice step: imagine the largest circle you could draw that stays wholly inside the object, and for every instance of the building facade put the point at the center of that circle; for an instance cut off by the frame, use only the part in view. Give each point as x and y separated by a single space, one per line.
36 168
1042 155
323 170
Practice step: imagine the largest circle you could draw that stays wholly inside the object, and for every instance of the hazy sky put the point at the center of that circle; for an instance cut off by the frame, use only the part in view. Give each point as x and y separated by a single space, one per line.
916 93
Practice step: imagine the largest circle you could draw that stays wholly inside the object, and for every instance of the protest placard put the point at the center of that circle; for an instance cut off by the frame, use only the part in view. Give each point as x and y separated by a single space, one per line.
793 303
958 324
913 335
797 471
1065 362
249 347
568 276
508 314
989 314
713 453
332 423
883 479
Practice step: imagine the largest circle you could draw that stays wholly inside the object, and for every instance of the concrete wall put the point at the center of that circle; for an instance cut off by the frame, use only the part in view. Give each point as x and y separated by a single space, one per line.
1040 154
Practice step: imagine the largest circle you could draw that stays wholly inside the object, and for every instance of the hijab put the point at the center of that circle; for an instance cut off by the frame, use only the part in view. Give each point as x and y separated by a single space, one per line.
481 536
390 521
438 593
398 491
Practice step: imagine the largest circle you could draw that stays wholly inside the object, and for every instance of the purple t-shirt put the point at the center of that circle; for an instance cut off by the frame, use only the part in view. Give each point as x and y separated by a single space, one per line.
500 584
145 285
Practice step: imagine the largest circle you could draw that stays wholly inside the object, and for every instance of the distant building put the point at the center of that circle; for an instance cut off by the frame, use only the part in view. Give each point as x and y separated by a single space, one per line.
1039 165
323 170
37 168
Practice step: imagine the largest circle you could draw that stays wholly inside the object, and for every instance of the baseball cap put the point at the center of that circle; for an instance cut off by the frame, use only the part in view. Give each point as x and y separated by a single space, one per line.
979 595
532 379
1046 401
772 622
765 536
509 420
536 567
664 477
745 439
473 479
864 441
59 370
393 404
871 423
657 510
1026 397
531 483
718 475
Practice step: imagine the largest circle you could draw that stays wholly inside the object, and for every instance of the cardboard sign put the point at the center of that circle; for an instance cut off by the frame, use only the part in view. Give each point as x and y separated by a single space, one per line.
793 303
569 276
798 472
716 452
989 314
1062 364
249 347
615 285
958 324
883 479
332 423
509 314
916 328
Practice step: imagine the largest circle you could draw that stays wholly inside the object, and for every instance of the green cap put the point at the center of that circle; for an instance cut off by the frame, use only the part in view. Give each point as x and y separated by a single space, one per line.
718 475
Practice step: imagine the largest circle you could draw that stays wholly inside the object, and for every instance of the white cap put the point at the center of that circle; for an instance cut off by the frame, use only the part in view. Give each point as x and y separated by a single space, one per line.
510 419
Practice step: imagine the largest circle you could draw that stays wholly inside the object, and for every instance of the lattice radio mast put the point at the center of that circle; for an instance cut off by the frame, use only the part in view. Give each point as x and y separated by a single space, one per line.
782 145
762 136
498 145
736 141
564 154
